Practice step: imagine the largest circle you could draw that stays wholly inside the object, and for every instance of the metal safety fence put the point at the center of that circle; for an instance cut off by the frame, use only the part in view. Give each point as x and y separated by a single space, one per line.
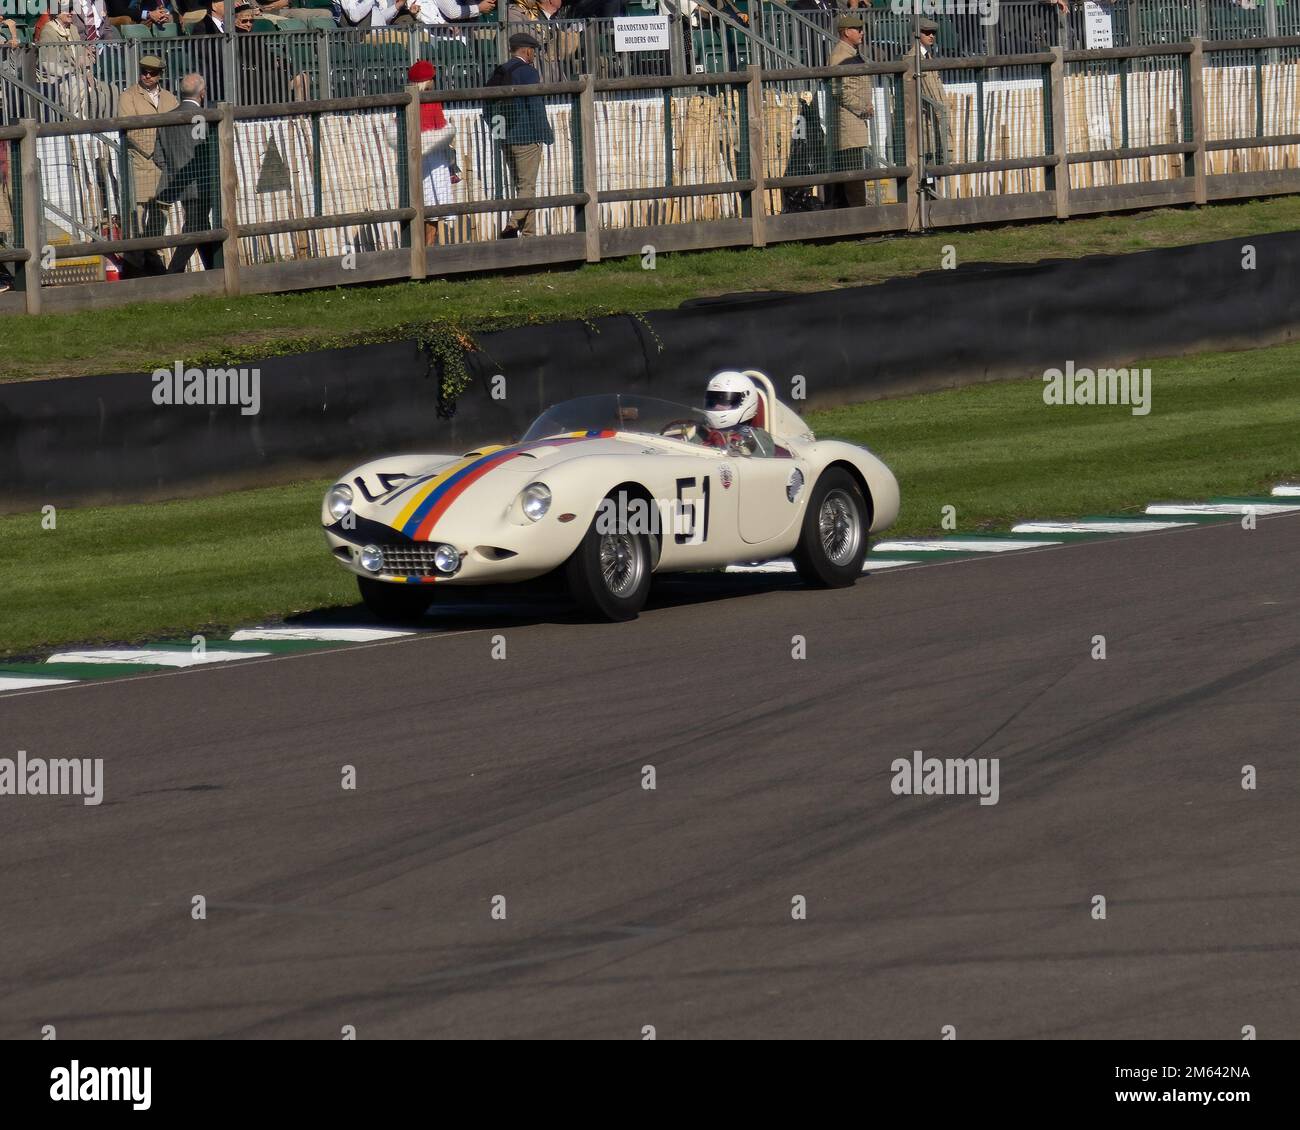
316 192
53 81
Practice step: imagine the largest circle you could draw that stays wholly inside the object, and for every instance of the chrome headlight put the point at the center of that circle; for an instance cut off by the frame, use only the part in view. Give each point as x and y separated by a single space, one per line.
339 501
446 559
535 501
371 559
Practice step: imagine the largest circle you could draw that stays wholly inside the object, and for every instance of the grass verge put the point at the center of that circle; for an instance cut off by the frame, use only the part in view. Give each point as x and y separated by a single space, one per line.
234 330
1221 423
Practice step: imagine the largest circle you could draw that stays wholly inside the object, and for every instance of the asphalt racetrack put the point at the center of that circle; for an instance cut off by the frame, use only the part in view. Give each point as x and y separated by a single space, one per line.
627 907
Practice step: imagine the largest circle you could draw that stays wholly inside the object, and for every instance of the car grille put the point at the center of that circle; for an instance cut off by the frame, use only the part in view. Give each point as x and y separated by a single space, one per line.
410 560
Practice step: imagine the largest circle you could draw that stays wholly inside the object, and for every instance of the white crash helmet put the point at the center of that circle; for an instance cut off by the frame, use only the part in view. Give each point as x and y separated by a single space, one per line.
730 399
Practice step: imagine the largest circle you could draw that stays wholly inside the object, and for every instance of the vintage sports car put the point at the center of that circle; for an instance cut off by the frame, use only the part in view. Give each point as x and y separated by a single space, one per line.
610 489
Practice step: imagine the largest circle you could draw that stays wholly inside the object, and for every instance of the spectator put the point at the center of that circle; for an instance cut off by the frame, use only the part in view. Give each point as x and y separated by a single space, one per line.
214 23
263 74
90 18
526 127
561 48
65 67
277 10
402 13
11 67
189 174
729 8
147 96
851 126
433 12
365 13
119 12
56 48
807 156
383 13
7 180
156 14
436 141
532 12
444 11
936 145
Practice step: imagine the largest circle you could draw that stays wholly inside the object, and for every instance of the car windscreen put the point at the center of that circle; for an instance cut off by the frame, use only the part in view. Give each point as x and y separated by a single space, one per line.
613 412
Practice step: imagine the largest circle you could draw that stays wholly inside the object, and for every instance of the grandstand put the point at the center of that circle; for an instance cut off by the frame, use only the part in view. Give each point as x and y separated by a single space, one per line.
723 138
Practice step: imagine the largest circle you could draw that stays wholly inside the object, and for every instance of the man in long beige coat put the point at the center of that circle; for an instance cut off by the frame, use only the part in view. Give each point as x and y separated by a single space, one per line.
851 122
146 97
936 132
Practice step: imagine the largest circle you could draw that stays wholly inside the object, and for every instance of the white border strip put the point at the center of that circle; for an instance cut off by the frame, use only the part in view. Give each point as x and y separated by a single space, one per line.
1125 526
1221 507
340 635
785 565
158 658
960 545
22 682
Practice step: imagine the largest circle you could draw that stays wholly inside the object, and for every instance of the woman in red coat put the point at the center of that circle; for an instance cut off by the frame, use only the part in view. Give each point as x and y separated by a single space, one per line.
436 140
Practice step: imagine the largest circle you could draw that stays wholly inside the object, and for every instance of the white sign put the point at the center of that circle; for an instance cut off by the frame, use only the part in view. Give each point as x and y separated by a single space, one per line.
638 33
1097 29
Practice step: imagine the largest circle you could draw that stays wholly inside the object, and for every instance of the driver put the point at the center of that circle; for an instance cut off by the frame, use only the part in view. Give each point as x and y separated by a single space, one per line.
730 405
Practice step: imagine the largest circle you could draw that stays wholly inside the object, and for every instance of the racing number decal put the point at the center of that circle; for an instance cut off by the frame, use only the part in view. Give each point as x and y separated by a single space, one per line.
386 483
691 519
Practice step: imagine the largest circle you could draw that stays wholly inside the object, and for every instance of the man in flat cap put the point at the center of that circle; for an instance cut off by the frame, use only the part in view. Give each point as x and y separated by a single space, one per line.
521 126
851 122
147 96
936 134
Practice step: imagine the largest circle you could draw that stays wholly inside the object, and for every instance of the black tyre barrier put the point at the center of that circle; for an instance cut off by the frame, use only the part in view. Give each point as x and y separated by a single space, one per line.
105 438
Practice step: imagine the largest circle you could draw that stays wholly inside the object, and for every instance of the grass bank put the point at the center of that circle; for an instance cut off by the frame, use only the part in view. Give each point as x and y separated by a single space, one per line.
226 331
1220 424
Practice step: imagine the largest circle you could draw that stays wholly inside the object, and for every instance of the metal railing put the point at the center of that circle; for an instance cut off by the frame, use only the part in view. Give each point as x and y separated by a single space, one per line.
267 67
325 192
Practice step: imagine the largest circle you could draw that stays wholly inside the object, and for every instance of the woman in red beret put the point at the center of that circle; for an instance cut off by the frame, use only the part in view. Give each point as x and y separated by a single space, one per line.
436 140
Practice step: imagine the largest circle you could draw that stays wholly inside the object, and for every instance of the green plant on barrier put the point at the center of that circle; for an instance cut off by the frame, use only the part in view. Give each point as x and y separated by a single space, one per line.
445 348
638 316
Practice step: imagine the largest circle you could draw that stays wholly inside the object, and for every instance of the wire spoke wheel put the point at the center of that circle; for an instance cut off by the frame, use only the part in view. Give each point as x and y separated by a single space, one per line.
621 563
839 526
608 574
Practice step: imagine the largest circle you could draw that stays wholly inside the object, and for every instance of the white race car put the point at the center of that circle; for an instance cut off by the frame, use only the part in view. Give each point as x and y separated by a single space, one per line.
611 489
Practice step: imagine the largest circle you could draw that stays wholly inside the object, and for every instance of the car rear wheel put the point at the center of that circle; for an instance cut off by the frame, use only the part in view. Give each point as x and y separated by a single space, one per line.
609 573
395 603
833 541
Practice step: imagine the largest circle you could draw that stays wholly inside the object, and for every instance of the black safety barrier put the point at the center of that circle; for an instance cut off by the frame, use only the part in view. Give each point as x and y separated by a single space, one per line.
106 438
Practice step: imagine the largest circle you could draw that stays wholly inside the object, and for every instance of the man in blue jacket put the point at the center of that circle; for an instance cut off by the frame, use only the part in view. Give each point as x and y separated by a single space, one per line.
522 127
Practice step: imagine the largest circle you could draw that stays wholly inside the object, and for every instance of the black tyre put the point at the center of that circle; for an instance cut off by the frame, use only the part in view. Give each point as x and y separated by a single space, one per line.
395 603
833 541
609 573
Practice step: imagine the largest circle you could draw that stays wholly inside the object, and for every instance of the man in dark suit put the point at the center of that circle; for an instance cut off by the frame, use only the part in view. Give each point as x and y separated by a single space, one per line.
214 23
187 154
522 127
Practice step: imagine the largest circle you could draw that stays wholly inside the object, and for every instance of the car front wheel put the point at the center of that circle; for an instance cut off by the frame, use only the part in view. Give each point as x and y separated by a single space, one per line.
609 573
833 541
